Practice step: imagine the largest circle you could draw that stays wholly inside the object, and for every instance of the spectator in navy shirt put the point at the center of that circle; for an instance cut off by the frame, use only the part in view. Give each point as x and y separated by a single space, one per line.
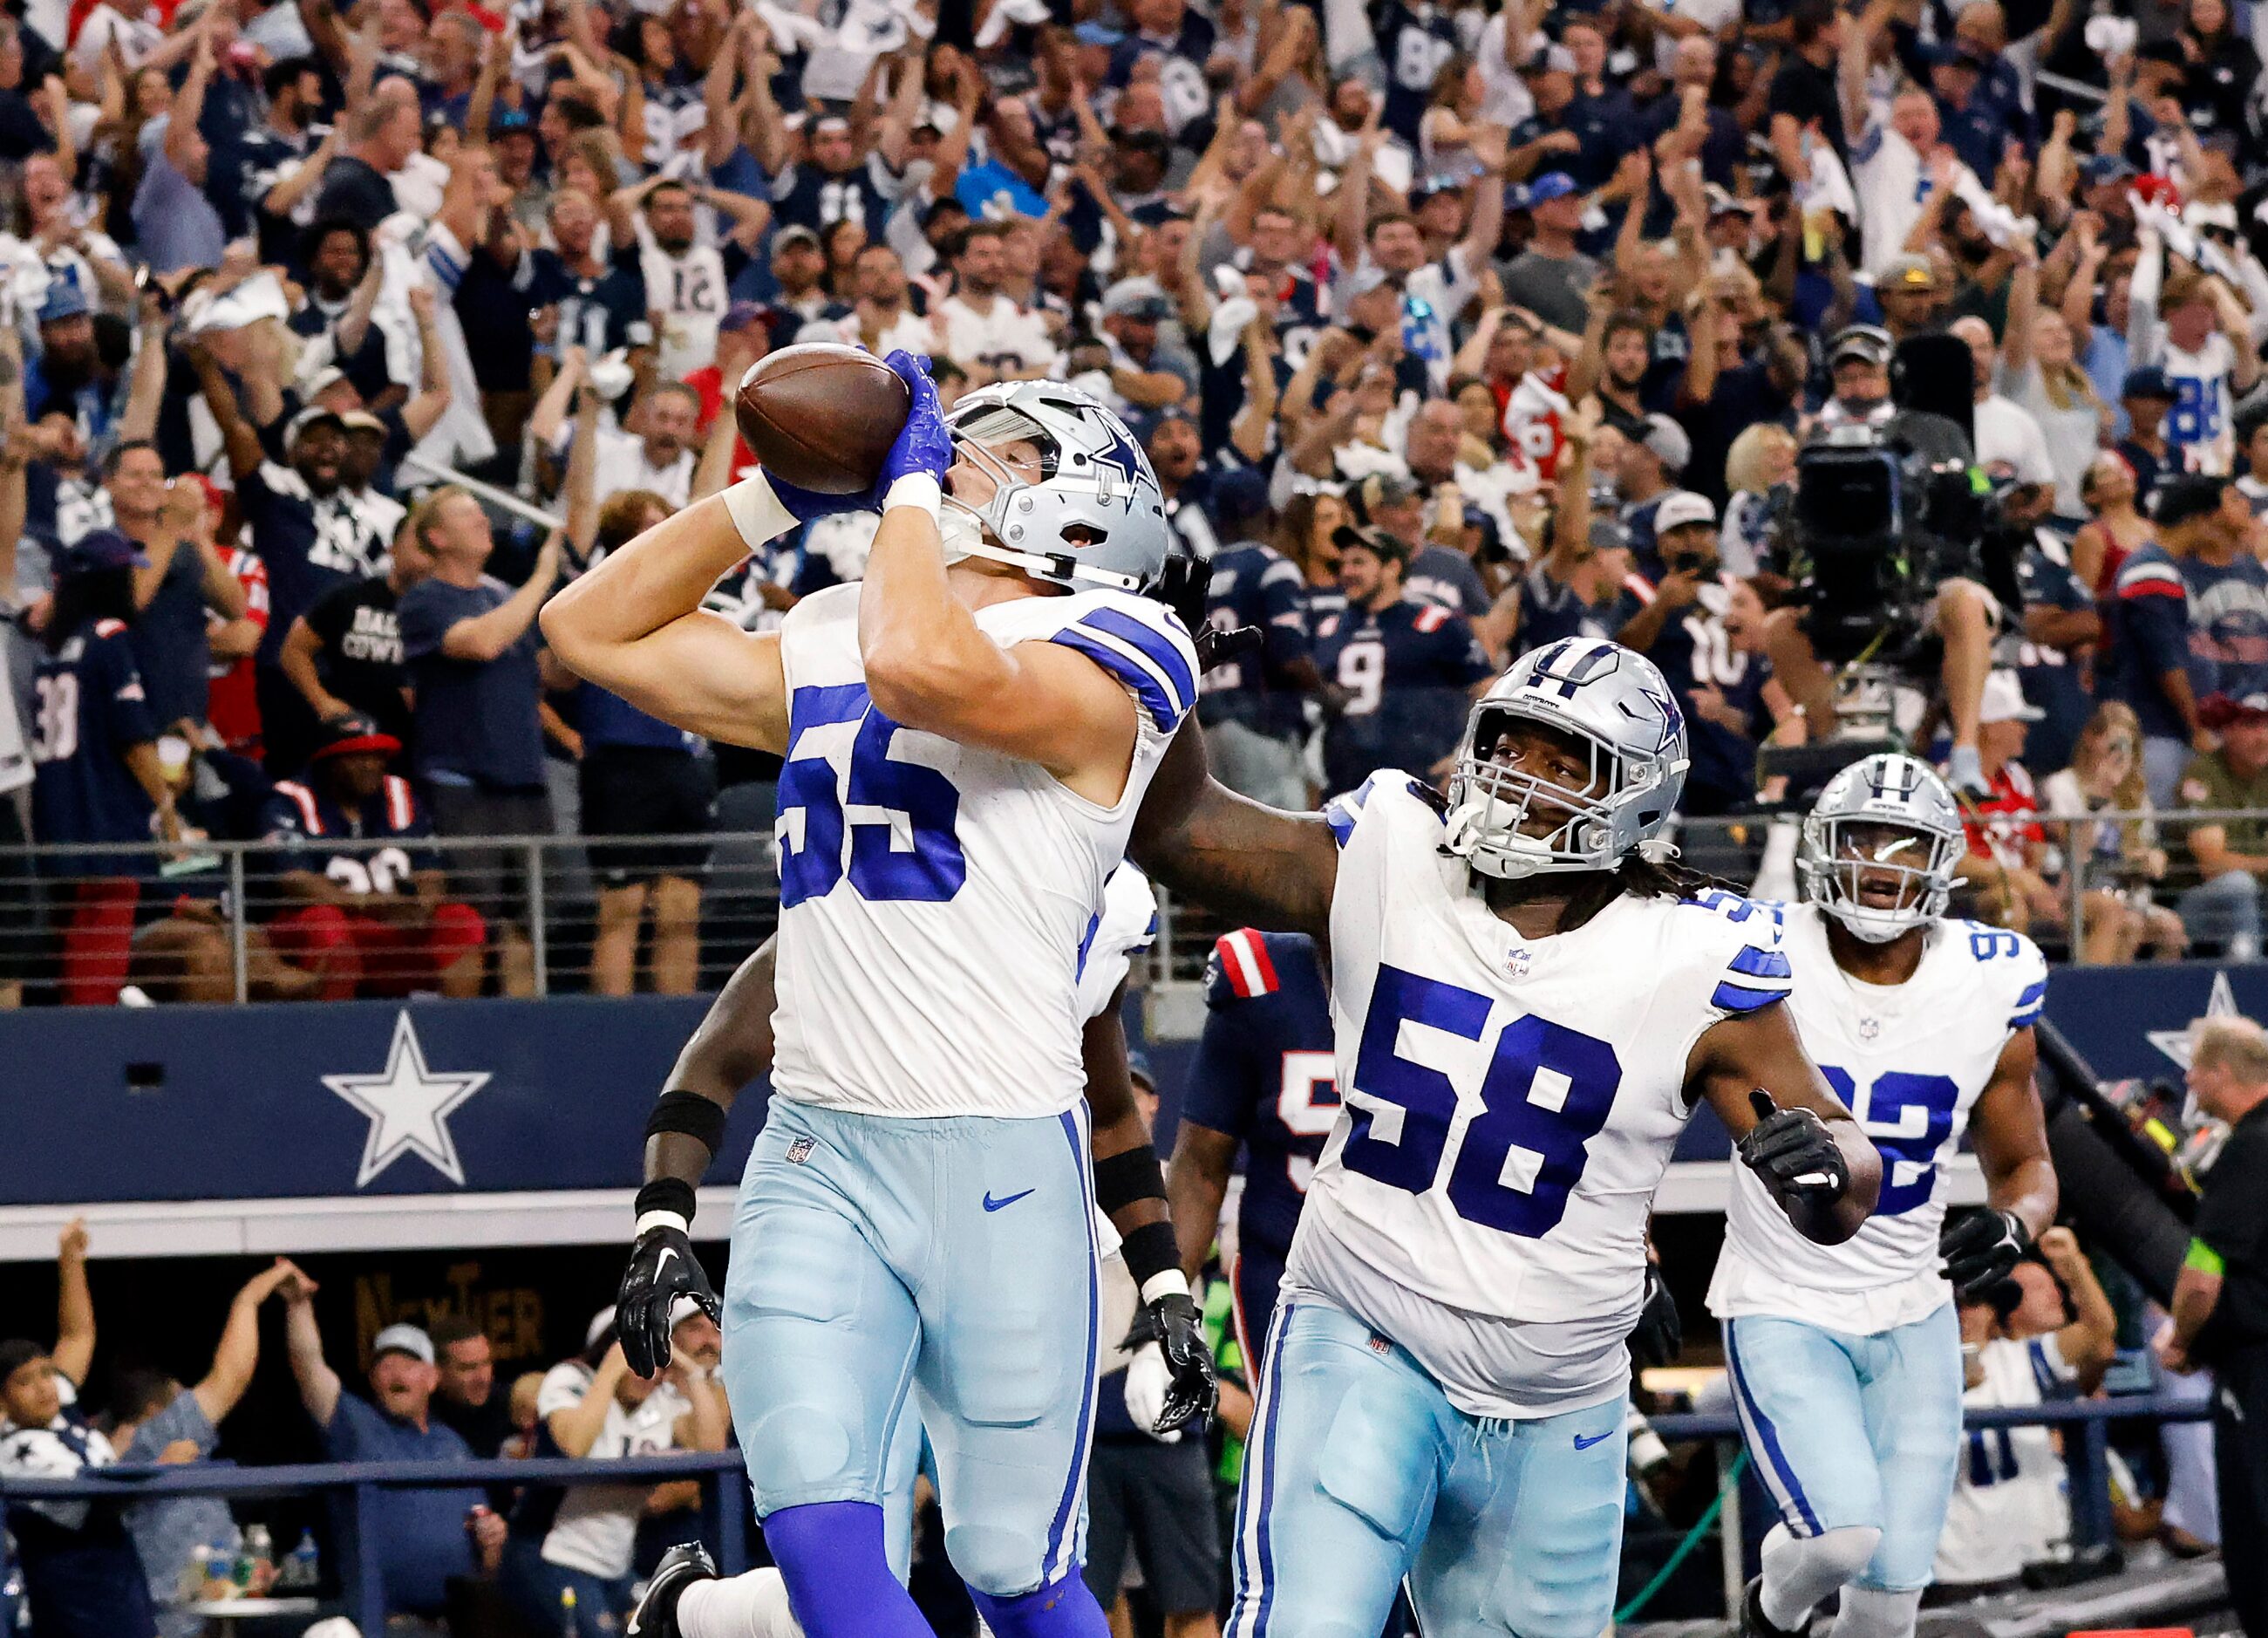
470 644
1251 705
641 778
2146 659
426 1538
99 779
1397 671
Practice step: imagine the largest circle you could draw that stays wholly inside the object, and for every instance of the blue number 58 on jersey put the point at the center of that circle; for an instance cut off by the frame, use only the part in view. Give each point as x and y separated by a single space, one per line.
897 817
1548 1092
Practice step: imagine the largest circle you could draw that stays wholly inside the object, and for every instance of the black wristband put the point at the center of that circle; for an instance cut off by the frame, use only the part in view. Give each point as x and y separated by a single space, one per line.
690 1113
1150 1249
666 1194
1129 1175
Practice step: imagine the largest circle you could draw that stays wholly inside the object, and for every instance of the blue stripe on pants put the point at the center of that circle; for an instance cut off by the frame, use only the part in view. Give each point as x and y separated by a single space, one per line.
1765 1438
1056 1562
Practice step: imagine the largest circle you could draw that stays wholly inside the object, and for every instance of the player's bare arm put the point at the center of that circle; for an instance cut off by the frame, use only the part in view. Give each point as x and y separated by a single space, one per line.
2009 1133
1257 866
1789 1125
634 626
1196 1183
929 665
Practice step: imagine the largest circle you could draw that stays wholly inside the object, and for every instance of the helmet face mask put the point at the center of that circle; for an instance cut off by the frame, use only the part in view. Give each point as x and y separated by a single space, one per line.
1880 847
1072 500
1598 757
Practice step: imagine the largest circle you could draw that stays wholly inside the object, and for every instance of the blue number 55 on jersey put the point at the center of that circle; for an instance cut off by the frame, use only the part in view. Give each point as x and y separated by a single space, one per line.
879 801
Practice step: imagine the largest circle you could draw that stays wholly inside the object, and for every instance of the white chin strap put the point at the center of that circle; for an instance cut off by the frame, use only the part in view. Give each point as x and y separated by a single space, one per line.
1871 927
964 537
1481 833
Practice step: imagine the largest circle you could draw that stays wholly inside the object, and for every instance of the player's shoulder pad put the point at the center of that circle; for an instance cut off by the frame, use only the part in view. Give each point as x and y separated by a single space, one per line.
1140 642
1384 789
2011 971
1754 971
1241 968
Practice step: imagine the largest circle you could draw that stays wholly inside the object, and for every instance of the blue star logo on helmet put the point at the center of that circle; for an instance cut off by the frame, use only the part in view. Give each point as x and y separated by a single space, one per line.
1121 454
1673 720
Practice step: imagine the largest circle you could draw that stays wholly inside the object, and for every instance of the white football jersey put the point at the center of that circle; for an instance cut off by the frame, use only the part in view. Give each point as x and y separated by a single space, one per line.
1126 926
1509 1103
690 291
1910 1060
937 901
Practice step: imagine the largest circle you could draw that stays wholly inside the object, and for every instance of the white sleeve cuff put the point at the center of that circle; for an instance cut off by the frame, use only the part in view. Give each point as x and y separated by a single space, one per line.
659 1220
1166 1282
756 511
916 489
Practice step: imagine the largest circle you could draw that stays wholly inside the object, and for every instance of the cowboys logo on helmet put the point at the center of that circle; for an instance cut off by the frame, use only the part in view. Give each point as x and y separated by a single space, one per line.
1073 501
1599 781
1880 846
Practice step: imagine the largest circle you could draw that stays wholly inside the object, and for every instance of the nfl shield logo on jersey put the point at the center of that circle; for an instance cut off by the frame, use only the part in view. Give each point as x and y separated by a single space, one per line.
1516 963
799 1151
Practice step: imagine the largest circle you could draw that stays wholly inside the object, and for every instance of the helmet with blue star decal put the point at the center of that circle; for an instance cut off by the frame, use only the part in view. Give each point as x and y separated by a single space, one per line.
1572 760
1047 479
1881 844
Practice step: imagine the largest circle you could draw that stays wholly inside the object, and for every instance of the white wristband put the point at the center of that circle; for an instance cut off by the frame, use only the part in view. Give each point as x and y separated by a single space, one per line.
659 1220
1165 1283
916 489
756 511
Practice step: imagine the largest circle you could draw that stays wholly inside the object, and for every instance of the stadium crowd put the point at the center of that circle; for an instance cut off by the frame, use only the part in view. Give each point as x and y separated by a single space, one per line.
1449 333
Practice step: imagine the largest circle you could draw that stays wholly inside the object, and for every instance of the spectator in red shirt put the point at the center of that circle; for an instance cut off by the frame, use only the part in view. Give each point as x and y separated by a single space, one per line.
2008 844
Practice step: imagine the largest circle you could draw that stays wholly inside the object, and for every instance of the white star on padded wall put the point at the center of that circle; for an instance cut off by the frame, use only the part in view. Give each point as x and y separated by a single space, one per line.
2175 1043
408 1106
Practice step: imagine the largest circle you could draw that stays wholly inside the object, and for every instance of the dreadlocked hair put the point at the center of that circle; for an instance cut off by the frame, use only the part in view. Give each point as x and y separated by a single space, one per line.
1639 878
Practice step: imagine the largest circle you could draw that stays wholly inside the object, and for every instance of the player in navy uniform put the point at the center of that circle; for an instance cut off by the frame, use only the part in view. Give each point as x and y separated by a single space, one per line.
1679 624
1264 1079
376 913
1250 705
94 751
1395 672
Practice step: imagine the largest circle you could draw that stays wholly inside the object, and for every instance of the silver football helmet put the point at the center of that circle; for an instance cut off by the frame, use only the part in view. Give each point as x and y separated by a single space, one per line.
1888 821
1094 516
1612 701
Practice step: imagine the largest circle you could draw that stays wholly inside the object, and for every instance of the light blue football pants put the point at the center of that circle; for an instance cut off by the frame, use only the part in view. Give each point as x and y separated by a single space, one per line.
886 1269
1359 1472
1855 1431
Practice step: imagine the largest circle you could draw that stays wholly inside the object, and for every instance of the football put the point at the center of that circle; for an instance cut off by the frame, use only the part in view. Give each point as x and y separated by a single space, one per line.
821 415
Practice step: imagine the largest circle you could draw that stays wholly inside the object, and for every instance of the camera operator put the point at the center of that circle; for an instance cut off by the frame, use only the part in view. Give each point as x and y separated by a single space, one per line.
1958 609
2221 1300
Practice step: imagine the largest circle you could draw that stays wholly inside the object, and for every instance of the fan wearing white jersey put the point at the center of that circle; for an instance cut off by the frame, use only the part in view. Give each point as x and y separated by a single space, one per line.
2192 325
967 733
684 1598
1845 1360
1529 1007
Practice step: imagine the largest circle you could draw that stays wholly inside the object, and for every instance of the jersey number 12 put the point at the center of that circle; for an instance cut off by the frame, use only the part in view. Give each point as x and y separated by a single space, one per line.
1548 1092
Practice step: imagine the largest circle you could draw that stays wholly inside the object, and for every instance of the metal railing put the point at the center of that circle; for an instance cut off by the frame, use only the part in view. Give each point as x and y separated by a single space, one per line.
725 1493
530 915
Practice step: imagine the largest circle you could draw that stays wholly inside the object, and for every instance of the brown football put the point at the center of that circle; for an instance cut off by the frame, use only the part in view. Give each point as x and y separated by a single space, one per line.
821 415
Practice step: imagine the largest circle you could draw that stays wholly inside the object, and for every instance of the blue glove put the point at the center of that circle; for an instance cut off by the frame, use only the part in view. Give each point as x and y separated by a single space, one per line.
924 445
804 505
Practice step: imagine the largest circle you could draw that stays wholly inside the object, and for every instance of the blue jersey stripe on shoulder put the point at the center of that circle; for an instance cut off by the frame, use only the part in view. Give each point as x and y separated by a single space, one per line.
1339 813
1739 998
2032 993
1155 646
2025 1021
1760 964
1164 709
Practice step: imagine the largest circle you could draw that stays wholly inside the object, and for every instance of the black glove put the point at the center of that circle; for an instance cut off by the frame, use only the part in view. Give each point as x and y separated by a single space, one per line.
662 1269
1981 1249
1795 1154
1659 1335
1173 1323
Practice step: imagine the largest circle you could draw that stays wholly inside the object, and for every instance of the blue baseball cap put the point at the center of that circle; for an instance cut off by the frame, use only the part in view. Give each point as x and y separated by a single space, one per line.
1239 496
2146 384
1549 186
64 300
503 122
1096 34
98 549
